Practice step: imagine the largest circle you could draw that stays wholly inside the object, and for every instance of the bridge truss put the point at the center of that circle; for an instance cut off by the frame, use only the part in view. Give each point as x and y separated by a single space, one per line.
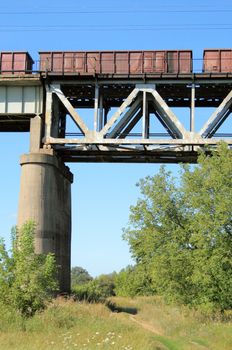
112 118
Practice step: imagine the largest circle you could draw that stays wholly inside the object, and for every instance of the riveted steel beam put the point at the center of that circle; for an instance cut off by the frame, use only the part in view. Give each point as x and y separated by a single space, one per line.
187 141
125 119
48 114
131 124
118 113
218 116
169 117
73 113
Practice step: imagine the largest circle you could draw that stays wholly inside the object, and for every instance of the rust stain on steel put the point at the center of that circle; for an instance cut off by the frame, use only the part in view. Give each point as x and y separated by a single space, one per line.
117 62
218 60
15 62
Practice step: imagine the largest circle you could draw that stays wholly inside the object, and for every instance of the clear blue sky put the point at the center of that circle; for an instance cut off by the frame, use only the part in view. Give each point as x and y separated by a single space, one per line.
101 193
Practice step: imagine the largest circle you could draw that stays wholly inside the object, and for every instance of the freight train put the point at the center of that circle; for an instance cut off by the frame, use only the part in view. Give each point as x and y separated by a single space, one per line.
115 62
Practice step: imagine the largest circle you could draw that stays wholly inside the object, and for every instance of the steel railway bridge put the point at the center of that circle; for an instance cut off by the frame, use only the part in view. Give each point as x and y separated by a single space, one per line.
104 118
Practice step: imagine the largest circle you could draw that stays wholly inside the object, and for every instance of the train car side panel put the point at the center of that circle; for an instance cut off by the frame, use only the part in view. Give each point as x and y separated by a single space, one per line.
92 62
117 62
211 61
6 62
45 62
79 62
226 61
121 62
218 60
159 62
185 61
136 62
15 62
107 62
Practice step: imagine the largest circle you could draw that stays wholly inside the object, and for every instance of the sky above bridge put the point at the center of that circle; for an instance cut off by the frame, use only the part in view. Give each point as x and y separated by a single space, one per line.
101 193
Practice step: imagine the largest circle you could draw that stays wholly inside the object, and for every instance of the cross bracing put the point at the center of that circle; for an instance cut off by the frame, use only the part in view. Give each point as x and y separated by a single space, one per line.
127 119
126 134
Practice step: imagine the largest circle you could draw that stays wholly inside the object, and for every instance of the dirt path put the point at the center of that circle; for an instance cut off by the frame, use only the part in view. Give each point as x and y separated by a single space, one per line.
146 325
154 330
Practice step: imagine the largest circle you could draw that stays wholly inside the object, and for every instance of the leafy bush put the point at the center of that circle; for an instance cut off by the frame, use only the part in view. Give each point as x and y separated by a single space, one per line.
88 292
132 281
96 290
27 280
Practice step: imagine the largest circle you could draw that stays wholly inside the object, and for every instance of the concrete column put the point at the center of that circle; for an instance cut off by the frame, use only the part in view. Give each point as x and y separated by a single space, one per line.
45 197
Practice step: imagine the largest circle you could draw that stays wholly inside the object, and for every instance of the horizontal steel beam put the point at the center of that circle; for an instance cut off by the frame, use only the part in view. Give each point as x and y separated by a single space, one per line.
21 99
134 156
201 78
21 80
86 141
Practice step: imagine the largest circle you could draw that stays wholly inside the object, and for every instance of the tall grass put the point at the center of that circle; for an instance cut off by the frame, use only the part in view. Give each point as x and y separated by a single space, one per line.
179 327
72 325
144 323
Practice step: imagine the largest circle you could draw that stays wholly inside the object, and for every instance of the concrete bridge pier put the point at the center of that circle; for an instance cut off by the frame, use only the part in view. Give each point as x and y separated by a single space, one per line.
45 197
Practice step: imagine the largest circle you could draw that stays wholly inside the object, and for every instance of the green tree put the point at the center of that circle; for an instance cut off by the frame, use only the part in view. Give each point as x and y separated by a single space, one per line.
96 290
105 283
27 280
133 280
79 276
181 231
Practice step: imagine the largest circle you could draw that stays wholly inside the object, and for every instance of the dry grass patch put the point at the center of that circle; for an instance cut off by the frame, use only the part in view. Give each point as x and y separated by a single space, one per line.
178 327
72 325
144 323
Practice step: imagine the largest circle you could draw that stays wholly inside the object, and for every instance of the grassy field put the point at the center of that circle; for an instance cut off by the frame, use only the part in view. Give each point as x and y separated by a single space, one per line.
127 324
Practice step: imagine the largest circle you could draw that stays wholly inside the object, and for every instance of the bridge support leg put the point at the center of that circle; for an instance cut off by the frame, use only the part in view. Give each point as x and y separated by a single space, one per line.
45 197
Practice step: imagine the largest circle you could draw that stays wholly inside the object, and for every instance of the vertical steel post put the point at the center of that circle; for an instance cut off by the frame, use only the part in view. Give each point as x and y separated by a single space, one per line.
192 112
145 124
105 115
55 117
96 102
101 112
48 114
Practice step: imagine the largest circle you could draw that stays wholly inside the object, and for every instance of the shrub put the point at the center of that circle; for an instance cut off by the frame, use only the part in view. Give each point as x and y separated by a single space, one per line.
27 280
96 290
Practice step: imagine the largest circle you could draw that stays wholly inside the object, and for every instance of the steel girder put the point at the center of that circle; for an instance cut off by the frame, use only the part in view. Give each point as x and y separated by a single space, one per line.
111 138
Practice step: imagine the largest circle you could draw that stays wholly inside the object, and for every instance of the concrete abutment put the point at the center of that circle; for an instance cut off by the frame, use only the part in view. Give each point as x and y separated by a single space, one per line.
45 198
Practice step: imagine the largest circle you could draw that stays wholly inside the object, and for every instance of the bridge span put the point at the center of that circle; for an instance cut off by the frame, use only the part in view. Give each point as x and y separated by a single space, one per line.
139 118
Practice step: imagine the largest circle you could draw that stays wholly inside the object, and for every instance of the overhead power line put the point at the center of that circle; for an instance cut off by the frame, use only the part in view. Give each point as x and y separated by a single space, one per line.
115 11
111 27
161 25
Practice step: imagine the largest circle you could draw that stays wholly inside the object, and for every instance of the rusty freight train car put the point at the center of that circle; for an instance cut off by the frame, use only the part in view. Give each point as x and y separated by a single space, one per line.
116 62
19 62
217 61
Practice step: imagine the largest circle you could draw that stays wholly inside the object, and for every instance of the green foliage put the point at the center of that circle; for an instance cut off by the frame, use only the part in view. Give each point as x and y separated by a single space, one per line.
88 292
133 280
106 283
27 280
181 231
79 276
96 290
